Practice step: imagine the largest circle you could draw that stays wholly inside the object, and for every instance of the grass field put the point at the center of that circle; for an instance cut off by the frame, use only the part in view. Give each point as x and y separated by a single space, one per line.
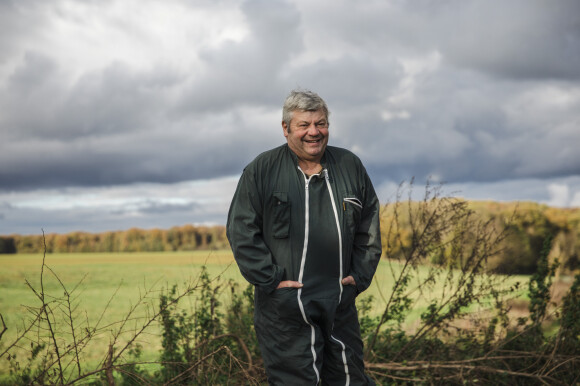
115 282
107 285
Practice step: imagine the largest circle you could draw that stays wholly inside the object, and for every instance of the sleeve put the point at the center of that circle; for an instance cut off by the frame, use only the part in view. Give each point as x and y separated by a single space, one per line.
366 249
245 234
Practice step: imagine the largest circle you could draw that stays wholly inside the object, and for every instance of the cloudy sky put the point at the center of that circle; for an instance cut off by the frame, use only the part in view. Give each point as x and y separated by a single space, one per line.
141 113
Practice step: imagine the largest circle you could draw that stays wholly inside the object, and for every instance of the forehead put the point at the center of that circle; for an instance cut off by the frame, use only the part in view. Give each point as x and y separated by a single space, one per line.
307 116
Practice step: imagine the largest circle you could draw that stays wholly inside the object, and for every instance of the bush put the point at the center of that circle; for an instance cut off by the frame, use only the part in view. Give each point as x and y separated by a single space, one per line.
450 345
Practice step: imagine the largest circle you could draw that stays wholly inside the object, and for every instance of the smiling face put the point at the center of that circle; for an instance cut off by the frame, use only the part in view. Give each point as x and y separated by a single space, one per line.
307 135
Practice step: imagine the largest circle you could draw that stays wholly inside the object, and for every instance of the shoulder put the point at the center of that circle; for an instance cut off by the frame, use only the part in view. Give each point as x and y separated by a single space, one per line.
271 154
342 156
271 164
268 157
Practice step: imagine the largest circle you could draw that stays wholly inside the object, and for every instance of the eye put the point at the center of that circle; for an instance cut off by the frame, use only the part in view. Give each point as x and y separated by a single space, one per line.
302 126
321 124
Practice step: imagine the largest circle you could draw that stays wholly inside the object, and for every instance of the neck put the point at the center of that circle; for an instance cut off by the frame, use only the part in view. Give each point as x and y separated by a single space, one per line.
310 167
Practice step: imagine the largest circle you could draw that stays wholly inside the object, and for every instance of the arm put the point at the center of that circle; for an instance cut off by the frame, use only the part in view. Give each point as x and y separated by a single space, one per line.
244 232
366 249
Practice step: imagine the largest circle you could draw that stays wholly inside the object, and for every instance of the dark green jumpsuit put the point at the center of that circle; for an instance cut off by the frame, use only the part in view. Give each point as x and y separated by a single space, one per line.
284 225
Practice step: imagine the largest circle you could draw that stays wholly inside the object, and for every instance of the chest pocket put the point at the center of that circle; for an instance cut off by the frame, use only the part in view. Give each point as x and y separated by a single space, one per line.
352 207
281 215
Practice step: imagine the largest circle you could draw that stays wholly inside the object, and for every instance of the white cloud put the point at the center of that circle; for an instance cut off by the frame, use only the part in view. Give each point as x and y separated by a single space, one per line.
117 207
97 96
199 191
559 195
575 203
90 35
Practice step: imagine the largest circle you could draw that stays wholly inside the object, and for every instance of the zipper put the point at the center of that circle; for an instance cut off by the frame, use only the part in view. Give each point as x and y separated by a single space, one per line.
301 274
303 262
306 224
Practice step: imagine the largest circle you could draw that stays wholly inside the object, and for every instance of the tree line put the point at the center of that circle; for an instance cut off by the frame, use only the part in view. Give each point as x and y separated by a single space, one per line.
526 224
525 227
183 238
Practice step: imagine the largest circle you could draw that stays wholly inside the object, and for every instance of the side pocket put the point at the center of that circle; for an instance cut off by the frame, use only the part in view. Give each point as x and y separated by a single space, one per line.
353 201
348 297
279 311
281 213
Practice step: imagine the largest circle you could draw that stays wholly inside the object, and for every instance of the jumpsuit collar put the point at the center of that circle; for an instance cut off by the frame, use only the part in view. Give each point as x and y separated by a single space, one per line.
295 157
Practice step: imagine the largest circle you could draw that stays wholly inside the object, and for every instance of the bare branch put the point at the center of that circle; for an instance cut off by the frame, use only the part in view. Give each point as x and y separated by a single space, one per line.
4 328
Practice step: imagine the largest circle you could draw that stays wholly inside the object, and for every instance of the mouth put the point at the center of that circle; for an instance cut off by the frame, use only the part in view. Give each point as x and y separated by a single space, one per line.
312 140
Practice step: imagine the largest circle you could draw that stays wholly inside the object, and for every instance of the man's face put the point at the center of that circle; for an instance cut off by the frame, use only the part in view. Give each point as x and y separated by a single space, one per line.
307 135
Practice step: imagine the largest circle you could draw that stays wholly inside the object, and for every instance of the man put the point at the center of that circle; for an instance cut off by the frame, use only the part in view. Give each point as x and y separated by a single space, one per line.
304 229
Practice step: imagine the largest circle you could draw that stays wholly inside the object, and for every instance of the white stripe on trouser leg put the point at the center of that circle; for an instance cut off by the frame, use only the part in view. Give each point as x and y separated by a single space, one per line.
343 360
312 336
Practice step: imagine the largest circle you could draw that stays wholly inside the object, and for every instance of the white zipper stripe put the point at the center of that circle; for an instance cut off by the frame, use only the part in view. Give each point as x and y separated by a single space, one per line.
303 263
301 274
306 225
341 269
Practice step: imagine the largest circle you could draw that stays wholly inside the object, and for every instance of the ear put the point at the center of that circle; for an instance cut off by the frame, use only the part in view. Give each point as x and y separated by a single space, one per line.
285 128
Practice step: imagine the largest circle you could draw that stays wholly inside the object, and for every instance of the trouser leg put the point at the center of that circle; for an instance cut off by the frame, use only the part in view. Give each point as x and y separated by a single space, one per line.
288 360
345 346
286 340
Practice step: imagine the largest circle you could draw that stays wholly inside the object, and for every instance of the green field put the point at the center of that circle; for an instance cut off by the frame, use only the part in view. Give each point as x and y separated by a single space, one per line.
107 286
123 276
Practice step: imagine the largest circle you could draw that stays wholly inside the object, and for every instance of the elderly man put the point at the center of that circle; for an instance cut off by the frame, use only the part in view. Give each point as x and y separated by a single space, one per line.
304 229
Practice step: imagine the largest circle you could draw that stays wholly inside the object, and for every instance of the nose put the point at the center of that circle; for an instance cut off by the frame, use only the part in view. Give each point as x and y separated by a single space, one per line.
313 130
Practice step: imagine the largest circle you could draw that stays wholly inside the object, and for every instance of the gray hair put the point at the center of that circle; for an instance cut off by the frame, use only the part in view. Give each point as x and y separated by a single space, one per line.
302 100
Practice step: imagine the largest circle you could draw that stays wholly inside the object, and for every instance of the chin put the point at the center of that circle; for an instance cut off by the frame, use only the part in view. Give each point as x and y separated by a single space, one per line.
316 154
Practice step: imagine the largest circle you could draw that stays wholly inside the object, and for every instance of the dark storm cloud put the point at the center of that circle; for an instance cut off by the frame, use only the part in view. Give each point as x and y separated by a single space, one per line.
520 39
111 112
117 125
168 156
248 72
421 89
107 102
